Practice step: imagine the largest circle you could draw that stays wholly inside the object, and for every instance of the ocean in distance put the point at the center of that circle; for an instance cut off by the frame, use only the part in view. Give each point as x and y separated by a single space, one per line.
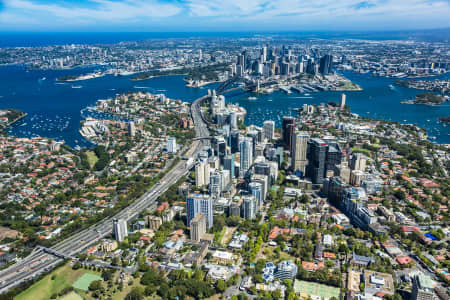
55 109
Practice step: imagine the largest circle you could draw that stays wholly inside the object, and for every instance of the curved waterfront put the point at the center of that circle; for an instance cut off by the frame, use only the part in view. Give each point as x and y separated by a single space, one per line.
379 99
55 109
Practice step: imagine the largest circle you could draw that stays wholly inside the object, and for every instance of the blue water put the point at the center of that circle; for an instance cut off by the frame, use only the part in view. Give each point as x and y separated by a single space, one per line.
36 39
379 99
55 110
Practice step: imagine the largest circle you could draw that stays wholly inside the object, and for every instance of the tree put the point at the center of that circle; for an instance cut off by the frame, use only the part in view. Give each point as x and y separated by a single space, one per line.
221 286
95 285
136 293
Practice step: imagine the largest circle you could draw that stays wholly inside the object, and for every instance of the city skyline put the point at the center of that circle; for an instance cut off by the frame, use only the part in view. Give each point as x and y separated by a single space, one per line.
230 15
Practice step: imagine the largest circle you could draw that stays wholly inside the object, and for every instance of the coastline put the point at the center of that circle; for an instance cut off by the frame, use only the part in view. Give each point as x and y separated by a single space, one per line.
23 115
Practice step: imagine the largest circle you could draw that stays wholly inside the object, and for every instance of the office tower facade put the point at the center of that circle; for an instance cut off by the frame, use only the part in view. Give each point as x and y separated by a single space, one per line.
196 204
358 162
120 229
343 99
215 184
233 120
246 149
171 145
299 151
269 130
249 207
202 170
326 64
316 160
131 129
288 127
256 190
333 157
234 141
228 164
198 227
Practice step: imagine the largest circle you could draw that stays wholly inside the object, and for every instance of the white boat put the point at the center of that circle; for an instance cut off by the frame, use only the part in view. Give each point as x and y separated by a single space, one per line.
77 86
252 98
307 94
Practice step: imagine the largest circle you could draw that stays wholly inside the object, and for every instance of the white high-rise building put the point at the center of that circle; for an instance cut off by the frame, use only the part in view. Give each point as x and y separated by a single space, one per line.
299 149
171 145
246 149
269 130
202 170
120 229
343 97
196 204
250 207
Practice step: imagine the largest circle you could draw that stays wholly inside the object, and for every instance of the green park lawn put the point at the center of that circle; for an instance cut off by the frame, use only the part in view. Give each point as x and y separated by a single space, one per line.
92 158
44 288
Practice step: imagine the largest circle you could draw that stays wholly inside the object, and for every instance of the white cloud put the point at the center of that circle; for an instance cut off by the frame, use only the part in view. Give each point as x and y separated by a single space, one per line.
237 15
97 10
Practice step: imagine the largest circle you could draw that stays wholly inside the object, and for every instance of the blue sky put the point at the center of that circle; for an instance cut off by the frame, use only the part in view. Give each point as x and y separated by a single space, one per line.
222 15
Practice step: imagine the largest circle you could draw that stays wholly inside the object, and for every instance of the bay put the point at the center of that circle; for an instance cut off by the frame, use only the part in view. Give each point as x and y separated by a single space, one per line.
55 109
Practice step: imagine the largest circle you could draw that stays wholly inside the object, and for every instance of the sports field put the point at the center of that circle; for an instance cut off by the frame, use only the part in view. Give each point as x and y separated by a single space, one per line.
84 281
315 289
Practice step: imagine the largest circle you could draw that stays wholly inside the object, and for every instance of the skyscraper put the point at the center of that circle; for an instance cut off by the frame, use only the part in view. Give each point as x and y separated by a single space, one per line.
288 127
299 150
171 145
316 160
196 204
326 64
246 149
342 105
215 184
228 164
249 207
234 141
202 170
256 190
358 162
198 227
269 129
120 229
131 129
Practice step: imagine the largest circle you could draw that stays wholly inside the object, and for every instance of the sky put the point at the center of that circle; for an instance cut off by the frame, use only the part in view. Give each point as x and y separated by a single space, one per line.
222 15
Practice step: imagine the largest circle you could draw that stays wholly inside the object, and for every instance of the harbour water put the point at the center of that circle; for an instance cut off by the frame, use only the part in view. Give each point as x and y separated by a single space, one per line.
55 109
379 99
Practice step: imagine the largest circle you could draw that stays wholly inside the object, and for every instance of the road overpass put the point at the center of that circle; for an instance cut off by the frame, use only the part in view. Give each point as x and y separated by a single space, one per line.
44 259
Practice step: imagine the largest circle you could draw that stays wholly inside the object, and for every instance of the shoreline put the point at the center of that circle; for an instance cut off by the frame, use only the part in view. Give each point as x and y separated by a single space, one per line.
23 115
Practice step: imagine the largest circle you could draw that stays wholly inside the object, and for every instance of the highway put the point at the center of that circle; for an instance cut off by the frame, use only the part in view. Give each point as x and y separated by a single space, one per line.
40 261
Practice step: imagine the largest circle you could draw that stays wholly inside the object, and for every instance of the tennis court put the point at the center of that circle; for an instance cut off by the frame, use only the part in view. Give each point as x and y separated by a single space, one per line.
315 289
85 280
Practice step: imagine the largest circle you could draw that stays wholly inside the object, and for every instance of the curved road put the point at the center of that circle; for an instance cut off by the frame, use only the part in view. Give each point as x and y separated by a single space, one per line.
39 261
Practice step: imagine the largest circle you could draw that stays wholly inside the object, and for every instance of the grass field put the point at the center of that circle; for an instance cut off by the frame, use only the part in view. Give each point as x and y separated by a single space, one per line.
72 296
85 280
315 289
44 288
92 158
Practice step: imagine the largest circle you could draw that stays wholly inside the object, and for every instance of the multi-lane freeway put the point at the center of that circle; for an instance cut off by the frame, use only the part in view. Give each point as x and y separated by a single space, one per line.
40 261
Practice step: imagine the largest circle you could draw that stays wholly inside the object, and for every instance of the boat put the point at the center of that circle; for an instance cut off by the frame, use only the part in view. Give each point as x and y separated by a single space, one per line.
77 86
307 94
270 100
252 98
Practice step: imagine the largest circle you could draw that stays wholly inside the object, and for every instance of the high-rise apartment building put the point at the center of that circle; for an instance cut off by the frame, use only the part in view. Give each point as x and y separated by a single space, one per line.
120 229
299 151
198 203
